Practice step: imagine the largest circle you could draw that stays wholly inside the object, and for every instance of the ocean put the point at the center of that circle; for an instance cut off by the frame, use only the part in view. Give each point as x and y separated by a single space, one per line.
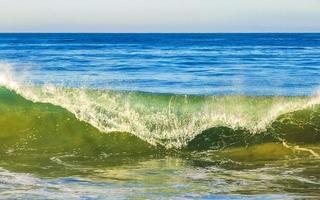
159 116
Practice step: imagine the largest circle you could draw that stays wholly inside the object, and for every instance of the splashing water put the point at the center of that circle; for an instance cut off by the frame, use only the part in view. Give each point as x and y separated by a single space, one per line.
169 120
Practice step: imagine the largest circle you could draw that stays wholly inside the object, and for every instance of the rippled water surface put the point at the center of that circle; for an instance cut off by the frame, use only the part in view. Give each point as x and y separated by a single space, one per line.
255 64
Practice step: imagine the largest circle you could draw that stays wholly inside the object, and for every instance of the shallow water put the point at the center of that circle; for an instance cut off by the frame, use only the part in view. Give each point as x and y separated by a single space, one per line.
149 116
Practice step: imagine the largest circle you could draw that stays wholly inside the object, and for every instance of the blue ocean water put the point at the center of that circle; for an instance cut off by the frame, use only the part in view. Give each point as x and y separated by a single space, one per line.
250 64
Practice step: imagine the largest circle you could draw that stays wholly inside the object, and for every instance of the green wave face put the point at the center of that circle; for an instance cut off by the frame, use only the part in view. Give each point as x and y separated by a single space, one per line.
34 134
90 121
28 126
75 134
299 127
37 128
169 120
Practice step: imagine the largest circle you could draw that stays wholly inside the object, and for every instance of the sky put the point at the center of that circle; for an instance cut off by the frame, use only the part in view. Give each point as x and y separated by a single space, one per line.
160 16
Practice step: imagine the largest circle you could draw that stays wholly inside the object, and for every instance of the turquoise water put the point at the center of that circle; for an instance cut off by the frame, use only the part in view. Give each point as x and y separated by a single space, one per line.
159 116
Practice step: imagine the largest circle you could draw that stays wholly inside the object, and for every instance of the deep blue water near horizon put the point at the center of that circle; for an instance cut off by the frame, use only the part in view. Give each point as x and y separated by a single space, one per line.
248 64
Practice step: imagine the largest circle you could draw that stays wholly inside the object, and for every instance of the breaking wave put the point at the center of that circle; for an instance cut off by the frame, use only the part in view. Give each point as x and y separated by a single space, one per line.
138 121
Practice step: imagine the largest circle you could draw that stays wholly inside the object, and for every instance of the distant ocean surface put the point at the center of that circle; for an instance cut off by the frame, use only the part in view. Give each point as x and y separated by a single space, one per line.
252 64
159 116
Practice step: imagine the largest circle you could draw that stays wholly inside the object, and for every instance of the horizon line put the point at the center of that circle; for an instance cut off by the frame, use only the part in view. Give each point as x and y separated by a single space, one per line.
62 32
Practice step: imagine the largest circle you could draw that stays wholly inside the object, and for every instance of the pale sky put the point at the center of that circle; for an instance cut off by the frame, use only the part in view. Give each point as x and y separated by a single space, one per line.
159 15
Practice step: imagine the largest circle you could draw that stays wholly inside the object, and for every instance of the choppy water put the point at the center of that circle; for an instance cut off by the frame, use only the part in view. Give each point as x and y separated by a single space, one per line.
122 116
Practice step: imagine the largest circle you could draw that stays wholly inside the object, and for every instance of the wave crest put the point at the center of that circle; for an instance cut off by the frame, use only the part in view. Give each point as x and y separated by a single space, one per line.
168 120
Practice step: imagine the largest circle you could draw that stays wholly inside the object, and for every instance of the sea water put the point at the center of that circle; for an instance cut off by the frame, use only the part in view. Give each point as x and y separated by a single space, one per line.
149 116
